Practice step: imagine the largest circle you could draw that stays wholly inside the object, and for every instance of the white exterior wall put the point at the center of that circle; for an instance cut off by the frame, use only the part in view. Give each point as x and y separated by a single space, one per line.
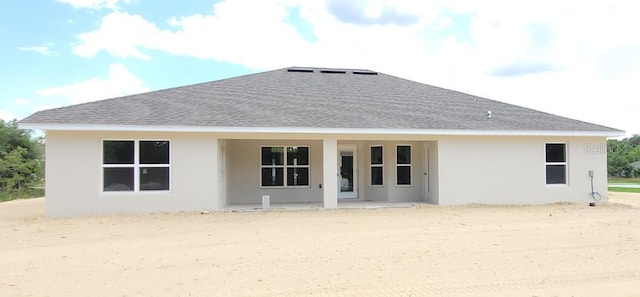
511 170
208 173
74 175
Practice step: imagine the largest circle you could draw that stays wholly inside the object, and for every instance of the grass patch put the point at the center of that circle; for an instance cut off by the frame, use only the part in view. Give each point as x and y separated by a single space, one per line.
31 193
624 190
624 180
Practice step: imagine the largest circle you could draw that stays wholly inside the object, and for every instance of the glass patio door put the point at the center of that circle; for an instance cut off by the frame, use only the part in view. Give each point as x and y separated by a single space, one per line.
347 171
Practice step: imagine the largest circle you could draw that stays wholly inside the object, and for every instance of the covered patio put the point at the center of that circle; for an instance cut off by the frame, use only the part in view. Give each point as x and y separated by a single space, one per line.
327 173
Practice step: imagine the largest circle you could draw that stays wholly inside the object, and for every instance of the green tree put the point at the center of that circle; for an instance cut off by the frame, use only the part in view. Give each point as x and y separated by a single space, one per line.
17 172
21 161
620 155
634 140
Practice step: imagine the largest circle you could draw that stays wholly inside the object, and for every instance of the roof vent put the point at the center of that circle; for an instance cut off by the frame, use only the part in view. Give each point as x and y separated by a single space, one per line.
333 71
299 70
365 72
489 114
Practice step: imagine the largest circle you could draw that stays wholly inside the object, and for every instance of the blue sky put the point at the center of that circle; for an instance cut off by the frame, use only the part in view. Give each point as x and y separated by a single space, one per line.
573 58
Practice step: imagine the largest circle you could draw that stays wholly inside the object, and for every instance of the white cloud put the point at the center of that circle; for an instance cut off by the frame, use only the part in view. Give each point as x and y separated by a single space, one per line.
120 82
22 101
6 116
203 36
516 34
546 54
94 4
119 34
41 49
173 22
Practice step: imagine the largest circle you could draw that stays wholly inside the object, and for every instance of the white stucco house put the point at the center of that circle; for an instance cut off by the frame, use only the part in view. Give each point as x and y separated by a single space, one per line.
312 135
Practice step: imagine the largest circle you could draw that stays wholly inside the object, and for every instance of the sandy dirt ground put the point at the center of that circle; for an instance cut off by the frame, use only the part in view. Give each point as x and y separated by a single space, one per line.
548 250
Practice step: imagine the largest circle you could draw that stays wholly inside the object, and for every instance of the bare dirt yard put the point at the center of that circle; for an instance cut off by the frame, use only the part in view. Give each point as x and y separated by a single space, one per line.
547 250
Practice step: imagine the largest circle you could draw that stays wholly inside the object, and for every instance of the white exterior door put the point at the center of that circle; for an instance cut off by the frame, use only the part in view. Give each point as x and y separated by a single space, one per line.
347 172
425 171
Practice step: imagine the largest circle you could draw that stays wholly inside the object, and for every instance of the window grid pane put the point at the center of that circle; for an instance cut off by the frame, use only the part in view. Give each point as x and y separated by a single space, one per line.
376 176
556 152
403 154
297 176
154 152
272 156
556 174
404 175
297 155
376 155
119 179
154 178
272 177
117 152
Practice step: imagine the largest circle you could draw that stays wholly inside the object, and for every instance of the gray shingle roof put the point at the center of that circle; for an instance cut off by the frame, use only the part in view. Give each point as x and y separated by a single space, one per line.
311 98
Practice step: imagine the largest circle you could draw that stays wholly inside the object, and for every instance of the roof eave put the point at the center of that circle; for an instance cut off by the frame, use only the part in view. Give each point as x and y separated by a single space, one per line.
312 130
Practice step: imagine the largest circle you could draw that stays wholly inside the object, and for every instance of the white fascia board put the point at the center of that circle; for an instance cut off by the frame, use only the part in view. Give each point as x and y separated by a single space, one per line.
309 130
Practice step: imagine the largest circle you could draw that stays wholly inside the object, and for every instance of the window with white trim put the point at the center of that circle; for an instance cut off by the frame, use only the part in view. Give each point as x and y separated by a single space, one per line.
135 165
377 165
403 165
284 166
556 163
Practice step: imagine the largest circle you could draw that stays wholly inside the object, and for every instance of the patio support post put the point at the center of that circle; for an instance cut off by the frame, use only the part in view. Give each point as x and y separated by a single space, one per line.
216 174
330 172
220 175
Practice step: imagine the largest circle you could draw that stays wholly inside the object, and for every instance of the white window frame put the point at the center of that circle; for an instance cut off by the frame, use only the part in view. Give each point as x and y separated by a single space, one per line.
381 165
284 166
565 163
404 165
136 166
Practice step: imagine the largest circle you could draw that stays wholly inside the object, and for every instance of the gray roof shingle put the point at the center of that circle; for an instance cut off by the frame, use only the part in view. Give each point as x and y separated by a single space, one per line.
295 97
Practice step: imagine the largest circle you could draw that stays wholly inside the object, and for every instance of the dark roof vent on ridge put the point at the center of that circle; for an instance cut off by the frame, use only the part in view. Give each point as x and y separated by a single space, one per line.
333 71
365 72
300 70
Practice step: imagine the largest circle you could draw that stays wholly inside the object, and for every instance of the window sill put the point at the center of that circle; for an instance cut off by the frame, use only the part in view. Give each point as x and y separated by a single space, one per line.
285 187
404 186
556 185
132 193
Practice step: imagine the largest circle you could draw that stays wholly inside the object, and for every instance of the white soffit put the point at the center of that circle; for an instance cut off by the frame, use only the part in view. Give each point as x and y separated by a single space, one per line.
308 130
